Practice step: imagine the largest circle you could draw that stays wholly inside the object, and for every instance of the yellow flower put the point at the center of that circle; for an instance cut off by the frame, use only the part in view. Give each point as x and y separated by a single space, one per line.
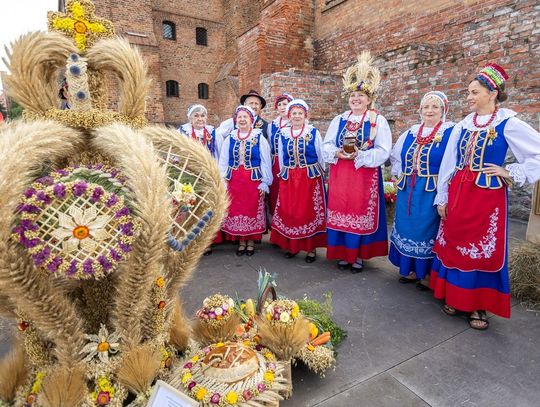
232 397
186 377
268 355
220 344
201 393
103 383
187 188
294 313
269 376
269 316
160 282
195 358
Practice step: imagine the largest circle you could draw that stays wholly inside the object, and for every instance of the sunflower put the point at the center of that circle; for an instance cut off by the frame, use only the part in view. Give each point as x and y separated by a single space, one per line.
101 345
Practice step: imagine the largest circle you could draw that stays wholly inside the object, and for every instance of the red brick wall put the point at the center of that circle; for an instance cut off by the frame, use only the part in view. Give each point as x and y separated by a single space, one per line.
438 46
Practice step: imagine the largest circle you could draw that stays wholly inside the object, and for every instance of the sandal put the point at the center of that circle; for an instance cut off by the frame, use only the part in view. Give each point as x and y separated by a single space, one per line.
241 250
357 267
250 250
448 310
343 265
290 255
478 320
310 257
407 280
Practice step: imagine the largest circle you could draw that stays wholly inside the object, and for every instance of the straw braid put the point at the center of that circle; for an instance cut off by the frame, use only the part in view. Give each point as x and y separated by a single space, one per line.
54 315
34 63
147 180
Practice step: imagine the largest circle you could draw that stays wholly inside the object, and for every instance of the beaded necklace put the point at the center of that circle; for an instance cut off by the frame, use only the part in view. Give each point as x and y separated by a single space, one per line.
426 140
205 134
481 126
301 131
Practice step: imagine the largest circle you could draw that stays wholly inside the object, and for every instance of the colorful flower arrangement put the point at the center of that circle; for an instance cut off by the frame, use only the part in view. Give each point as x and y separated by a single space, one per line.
282 311
75 228
216 308
390 191
104 392
207 391
101 345
184 199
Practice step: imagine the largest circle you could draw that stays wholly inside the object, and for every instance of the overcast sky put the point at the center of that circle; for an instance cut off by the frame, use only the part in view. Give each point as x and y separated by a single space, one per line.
20 16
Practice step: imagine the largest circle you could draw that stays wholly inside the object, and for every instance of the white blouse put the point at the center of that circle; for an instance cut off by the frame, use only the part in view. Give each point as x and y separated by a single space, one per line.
187 128
523 140
372 158
264 148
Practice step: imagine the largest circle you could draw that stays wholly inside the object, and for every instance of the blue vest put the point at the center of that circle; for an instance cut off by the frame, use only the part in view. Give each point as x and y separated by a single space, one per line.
362 134
429 158
488 148
275 132
252 156
300 153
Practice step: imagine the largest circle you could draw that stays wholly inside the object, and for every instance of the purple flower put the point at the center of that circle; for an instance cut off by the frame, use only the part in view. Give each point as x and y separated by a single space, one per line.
111 201
97 194
79 188
87 266
114 254
261 387
28 225
29 243
126 248
215 398
106 264
62 172
191 385
122 212
42 196
54 264
127 229
41 256
258 347
29 208
188 365
59 190
29 192
45 180
72 268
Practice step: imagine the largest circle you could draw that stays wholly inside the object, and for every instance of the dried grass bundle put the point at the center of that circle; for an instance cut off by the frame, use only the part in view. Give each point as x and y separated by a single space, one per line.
138 368
13 373
285 340
63 387
524 266
180 328
215 331
119 56
318 360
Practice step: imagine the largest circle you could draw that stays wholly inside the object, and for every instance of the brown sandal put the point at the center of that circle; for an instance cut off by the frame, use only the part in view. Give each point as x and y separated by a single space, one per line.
480 321
448 310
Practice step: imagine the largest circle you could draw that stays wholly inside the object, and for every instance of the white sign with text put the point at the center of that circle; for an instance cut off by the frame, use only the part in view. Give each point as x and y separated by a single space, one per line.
164 395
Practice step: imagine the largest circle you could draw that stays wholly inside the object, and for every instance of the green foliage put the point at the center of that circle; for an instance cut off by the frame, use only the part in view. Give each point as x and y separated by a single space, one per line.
16 110
321 315
3 110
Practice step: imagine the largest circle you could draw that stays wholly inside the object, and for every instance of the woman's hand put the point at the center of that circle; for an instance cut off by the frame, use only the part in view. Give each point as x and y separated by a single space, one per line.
443 211
495 170
344 156
261 192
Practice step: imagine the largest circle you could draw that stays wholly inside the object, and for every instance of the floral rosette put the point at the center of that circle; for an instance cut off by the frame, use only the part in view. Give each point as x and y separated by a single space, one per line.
216 309
261 384
282 311
390 191
77 229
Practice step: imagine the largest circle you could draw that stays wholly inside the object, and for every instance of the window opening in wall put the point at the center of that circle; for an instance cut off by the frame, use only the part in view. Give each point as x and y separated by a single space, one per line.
203 91
171 88
201 36
169 30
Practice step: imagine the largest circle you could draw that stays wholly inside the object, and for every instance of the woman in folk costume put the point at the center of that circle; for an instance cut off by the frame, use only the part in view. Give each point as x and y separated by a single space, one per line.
245 164
416 158
198 130
299 221
274 133
357 143
470 269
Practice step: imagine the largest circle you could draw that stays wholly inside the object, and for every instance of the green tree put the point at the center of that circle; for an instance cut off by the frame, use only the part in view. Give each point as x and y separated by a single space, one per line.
16 110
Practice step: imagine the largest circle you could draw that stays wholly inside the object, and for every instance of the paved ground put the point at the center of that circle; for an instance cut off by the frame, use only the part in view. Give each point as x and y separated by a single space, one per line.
402 350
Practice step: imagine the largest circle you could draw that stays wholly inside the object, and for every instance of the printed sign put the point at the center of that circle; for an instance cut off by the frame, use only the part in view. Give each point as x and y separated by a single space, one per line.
164 395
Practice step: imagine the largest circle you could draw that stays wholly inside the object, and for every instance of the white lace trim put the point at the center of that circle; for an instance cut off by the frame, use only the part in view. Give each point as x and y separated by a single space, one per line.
441 198
486 247
517 173
440 236
329 154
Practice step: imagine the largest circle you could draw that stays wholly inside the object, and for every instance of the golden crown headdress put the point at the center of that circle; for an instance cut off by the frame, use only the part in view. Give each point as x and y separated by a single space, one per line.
362 76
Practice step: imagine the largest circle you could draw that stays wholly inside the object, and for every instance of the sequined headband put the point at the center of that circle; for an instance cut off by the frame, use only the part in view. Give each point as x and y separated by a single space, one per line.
493 76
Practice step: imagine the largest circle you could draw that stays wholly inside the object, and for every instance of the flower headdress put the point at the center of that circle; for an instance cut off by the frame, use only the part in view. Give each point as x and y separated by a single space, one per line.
362 76
493 76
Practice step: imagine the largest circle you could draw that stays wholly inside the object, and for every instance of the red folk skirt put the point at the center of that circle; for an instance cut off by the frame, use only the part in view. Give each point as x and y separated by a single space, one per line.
246 218
274 188
299 221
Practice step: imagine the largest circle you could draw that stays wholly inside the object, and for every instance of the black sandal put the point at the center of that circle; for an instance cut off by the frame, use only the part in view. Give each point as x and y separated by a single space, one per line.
421 287
241 250
406 280
250 250
290 255
482 317
311 257
448 310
